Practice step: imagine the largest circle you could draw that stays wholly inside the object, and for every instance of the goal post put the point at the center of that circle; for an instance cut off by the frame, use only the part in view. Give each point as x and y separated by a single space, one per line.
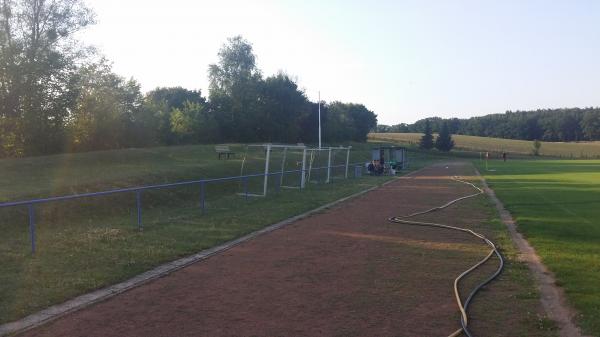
271 153
283 161
323 159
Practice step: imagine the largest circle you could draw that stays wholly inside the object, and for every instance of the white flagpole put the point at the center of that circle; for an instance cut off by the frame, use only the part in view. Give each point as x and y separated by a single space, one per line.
319 119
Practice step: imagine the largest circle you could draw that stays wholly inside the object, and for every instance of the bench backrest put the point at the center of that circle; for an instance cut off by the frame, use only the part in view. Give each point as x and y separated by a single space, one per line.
222 148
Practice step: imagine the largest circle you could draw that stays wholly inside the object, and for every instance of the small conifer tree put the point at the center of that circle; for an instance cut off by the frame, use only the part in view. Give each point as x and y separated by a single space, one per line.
427 138
444 140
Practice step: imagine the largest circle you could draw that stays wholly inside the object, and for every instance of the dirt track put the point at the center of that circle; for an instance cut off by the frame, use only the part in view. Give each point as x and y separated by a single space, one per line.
344 272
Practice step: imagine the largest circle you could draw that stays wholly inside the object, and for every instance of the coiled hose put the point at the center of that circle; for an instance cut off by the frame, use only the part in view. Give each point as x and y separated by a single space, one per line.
494 251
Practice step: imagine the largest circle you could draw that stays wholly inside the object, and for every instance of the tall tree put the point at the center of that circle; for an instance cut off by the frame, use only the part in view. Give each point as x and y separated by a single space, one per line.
309 122
160 104
347 121
444 140
106 110
591 125
427 138
234 89
282 107
363 121
38 58
176 97
193 124
570 129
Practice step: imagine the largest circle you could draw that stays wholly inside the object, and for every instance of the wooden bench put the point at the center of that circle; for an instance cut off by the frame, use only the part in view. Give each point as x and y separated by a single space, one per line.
223 150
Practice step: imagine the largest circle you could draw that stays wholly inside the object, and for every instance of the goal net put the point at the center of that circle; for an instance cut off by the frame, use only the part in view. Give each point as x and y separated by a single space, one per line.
327 163
272 167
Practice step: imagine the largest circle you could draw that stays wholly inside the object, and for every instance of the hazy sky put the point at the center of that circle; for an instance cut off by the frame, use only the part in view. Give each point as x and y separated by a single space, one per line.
405 60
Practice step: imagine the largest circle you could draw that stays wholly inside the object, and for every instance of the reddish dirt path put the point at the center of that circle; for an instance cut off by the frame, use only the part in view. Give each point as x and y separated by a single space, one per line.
344 272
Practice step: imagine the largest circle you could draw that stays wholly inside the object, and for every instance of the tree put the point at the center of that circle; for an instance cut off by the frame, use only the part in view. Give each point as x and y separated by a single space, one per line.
532 129
348 121
234 87
591 125
536 147
283 106
105 110
363 120
38 58
175 97
193 124
159 105
570 130
427 138
444 140
309 122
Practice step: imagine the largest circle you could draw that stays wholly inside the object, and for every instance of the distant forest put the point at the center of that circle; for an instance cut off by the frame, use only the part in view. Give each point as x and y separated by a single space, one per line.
57 95
564 125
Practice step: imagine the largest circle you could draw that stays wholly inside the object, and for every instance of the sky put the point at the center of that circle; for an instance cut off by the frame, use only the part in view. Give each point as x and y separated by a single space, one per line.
404 60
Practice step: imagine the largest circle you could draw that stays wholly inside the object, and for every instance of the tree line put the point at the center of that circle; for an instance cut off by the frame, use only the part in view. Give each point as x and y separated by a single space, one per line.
565 125
59 96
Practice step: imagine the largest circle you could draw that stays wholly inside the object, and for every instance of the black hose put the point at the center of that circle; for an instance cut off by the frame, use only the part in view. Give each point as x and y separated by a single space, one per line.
463 307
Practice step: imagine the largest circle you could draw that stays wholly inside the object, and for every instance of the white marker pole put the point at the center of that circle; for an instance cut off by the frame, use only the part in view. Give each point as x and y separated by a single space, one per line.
266 180
347 161
319 119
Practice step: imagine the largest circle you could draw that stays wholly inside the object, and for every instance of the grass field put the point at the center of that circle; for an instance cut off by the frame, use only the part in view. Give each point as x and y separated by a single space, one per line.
498 145
87 244
494 303
557 207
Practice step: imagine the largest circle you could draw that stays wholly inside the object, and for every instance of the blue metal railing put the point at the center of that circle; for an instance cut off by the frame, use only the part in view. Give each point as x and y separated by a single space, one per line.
139 189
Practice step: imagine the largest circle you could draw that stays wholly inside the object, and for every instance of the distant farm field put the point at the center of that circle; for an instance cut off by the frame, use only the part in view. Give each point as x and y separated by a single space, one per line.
556 204
473 143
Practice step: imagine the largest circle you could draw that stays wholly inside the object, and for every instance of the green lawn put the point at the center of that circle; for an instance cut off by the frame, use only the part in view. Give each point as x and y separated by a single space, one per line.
95 171
87 244
557 206
498 145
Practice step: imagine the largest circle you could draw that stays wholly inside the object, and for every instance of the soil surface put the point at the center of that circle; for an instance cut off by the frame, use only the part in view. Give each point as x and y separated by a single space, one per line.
344 272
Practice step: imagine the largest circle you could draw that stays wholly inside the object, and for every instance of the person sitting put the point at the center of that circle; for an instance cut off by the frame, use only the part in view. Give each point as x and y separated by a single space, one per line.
378 168
371 168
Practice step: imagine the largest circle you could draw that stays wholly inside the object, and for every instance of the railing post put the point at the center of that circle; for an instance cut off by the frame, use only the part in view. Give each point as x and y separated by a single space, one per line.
31 212
138 201
202 197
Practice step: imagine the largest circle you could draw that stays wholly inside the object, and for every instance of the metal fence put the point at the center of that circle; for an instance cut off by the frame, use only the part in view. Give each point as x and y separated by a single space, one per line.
137 191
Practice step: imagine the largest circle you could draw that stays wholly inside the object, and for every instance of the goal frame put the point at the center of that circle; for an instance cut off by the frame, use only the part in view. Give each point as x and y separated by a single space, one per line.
329 151
268 149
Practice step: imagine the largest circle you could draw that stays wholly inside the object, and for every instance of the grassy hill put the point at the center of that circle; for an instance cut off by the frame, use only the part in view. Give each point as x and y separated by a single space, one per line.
89 243
474 143
70 173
